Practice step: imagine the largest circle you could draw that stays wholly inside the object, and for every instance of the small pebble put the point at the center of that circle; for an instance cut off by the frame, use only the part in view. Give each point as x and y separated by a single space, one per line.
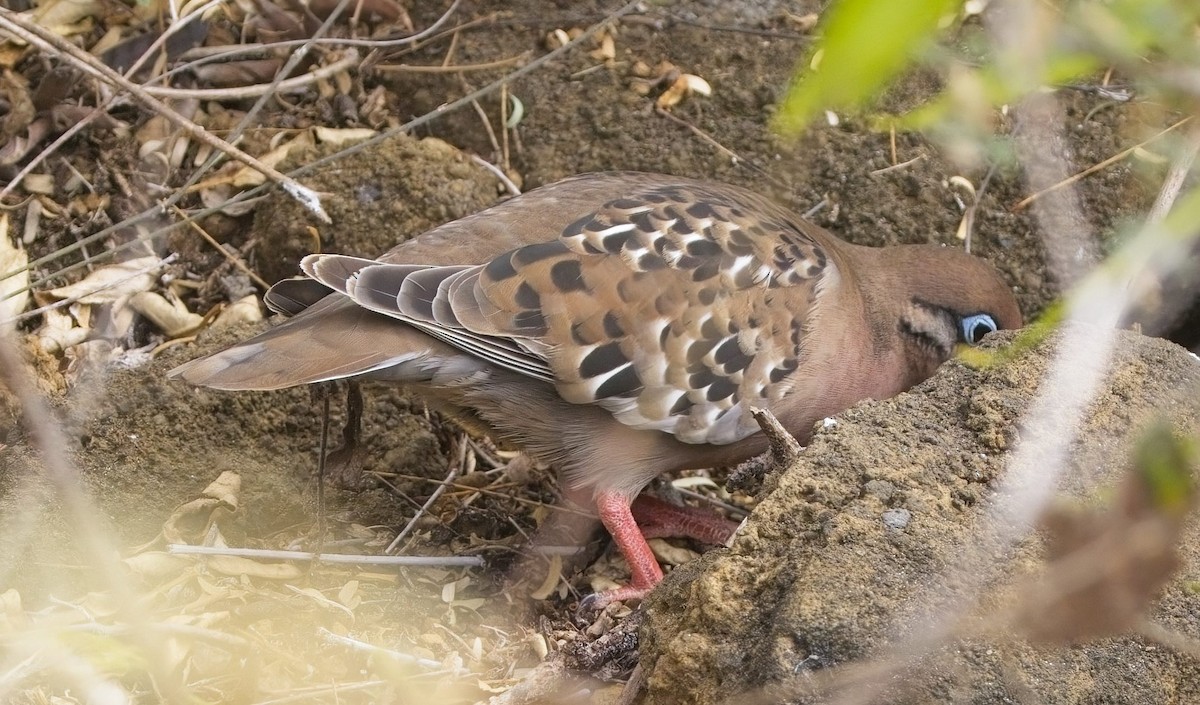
896 518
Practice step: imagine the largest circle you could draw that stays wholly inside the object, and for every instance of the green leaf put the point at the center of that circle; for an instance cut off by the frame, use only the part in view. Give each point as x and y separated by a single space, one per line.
864 45
1165 462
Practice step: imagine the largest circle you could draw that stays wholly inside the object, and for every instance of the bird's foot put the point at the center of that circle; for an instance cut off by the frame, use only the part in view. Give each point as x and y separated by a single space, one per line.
593 603
657 518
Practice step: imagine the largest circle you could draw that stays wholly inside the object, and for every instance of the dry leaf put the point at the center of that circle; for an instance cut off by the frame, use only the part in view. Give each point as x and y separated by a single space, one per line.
671 554
339 136
170 316
680 88
59 332
244 310
225 488
247 176
12 259
156 565
64 16
112 283
607 50
550 582
238 566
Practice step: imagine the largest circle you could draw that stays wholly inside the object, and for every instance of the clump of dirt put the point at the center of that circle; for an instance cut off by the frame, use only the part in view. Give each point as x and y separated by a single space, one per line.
376 199
848 551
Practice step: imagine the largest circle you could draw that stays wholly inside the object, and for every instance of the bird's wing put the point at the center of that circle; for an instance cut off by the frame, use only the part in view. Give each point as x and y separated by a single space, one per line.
674 306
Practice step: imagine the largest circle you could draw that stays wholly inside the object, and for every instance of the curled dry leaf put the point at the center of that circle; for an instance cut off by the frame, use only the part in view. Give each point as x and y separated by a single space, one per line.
39 183
170 316
550 582
154 566
557 39
191 520
671 554
247 176
65 17
226 489
342 136
112 283
12 614
13 263
244 310
803 23
59 332
235 74
607 51
680 88
237 566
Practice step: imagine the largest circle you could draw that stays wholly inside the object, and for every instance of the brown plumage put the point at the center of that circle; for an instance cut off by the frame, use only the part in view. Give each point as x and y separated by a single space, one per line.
621 325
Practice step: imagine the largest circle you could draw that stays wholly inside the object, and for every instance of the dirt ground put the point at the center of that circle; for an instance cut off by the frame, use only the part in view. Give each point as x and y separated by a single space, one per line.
145 446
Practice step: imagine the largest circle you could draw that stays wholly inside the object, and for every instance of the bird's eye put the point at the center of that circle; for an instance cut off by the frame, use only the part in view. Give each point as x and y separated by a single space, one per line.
977 326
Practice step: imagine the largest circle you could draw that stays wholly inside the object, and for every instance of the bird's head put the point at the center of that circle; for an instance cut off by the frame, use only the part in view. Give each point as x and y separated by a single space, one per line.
942 297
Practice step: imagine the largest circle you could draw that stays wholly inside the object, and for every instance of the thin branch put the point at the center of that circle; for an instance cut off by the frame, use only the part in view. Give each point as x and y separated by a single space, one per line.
289 85
311 166
49 41
180 549
1176 175
357 645
1020 205
498 173
233 259
455 68
455 469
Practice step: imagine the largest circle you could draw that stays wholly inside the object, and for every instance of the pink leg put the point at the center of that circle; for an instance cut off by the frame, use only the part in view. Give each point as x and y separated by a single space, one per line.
658 518
616 516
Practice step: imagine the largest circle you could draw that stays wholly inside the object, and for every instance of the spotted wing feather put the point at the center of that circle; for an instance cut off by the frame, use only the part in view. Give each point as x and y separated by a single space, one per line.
675 308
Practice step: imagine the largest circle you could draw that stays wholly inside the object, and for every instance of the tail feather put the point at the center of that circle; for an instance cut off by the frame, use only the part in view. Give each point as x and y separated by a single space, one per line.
333 339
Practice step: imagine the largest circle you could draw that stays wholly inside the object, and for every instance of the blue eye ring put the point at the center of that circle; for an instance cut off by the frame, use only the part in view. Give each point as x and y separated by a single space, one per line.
974 328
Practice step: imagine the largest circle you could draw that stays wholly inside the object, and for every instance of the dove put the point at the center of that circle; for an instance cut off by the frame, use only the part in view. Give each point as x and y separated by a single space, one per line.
621 325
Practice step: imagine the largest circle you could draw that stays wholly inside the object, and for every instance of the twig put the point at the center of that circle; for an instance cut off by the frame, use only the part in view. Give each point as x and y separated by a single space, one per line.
324 693
412 523
47 40
455 68
484 490
705 137
496 171
897 167
341 558
1020 205
379 650
353 149
289 85
1178 173
737 511
234 260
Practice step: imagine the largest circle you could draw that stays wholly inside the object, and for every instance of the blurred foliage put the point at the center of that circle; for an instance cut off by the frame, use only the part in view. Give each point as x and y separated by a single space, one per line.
864 45
992 54
1165 466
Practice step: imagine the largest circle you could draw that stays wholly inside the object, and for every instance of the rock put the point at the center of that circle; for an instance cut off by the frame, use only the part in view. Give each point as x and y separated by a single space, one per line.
849 550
